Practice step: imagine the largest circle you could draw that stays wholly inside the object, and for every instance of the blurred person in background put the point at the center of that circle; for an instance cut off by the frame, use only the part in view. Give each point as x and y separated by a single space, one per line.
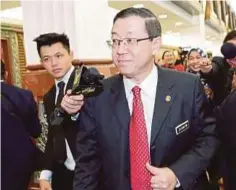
221 70
195 58
19 126
168 60
158 60
226 121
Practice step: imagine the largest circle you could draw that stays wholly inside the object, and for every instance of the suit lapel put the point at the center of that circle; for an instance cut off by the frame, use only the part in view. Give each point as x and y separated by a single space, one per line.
164 98
50 100
119 103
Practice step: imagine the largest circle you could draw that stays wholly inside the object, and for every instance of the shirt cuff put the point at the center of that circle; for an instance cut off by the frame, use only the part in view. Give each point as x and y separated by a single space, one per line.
46 175
74 117
177 183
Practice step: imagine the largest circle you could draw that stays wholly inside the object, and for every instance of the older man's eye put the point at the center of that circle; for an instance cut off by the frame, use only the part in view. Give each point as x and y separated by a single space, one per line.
114 41
131 40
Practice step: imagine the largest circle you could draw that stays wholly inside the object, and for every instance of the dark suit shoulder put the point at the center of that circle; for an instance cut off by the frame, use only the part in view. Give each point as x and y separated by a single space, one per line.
108 82
229 103
16 93
176 77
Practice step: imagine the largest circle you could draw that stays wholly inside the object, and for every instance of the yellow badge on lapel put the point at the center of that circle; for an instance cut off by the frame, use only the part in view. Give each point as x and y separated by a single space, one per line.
168 98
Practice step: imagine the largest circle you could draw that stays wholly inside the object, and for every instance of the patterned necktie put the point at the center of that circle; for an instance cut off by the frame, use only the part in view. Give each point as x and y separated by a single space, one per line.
59 144
139 153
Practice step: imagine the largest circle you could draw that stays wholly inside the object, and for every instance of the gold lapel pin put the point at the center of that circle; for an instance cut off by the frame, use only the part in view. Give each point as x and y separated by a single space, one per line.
168 98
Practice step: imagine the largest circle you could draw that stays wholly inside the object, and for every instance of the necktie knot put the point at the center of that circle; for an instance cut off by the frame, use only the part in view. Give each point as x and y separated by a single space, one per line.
136 91
61 85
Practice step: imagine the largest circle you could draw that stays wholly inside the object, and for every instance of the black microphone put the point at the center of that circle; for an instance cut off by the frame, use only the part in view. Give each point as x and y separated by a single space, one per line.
92 75
87 81
228 50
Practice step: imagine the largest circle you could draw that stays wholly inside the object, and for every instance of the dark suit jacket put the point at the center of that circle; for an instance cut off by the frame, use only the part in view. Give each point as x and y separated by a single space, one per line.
226 125
19 125
220 79
103 142
70 127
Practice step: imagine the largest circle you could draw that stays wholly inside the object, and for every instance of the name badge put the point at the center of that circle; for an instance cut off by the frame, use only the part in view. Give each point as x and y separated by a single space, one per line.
181 127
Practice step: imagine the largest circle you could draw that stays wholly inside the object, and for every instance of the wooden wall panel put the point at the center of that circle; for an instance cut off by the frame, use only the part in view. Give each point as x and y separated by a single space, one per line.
38 81
21 53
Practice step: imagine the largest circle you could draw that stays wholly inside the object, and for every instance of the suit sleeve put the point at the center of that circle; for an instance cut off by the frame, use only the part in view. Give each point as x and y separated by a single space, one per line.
216 71
226 119
48 153
88 163
31 116
192 164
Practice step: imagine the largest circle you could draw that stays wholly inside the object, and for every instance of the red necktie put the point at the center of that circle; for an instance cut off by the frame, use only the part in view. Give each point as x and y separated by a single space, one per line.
139 153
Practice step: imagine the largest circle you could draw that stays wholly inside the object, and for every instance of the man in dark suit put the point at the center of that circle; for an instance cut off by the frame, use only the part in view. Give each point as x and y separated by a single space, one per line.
19 125
227 130
151 127
56 57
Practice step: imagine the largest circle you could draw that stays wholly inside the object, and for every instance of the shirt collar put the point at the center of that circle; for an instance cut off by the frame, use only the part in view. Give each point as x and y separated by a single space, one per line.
148 86
66 77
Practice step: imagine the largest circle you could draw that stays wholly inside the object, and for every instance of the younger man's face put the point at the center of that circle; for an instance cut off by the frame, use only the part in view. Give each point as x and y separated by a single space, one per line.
56 59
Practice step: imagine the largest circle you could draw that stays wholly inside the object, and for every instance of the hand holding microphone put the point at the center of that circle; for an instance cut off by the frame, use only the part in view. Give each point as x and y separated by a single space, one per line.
72 103
87 83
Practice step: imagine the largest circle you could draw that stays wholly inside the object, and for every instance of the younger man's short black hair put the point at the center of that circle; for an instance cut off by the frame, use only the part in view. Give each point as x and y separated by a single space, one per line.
52 38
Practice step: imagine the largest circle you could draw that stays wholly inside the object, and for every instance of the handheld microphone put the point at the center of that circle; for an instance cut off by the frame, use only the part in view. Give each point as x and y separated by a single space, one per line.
87 81
228 50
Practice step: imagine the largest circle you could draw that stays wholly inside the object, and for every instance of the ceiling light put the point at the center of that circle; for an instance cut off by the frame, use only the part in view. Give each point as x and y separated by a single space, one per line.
162 16
178 23
168 32
213 38
176 34
138 6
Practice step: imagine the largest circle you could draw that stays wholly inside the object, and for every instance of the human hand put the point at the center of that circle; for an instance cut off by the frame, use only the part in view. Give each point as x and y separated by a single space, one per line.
162 178
72 103
206 65
44 185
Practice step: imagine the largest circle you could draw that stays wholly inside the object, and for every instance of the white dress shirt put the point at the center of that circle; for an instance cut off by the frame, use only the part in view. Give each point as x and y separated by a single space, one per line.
148 96
70 162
